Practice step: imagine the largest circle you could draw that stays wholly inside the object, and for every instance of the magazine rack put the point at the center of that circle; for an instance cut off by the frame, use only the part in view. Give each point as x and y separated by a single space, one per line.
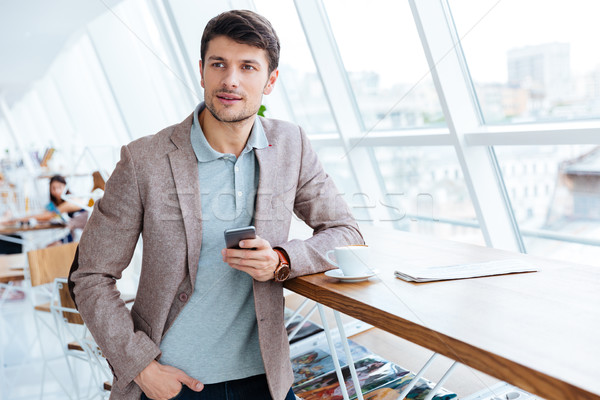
294 332
350 361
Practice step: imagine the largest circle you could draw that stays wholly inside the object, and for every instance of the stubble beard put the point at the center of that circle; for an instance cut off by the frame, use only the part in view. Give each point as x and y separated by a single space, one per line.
242 116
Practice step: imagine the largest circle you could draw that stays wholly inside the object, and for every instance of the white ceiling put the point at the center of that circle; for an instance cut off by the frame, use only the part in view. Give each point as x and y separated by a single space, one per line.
33 32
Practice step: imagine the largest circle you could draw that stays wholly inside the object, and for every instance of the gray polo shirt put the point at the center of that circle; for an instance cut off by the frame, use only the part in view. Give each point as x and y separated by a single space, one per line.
215 337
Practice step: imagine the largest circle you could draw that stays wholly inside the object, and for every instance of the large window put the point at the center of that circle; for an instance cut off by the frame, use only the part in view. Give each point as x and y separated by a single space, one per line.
6 137
555 193
385 64
299 81
426 187
150 90
87 97
404 151
532 60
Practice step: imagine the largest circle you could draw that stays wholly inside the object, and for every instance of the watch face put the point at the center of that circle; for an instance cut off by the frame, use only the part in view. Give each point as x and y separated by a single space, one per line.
282 273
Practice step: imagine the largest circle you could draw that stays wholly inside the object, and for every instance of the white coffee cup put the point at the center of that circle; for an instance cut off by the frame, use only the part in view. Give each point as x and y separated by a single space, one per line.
352 260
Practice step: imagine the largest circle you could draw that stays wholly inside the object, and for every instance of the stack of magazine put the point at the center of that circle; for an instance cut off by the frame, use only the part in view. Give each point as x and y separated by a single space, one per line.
308 328
380 379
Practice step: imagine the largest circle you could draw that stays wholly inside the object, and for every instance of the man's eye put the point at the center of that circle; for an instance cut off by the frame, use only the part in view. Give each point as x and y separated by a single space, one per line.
218 65
248 67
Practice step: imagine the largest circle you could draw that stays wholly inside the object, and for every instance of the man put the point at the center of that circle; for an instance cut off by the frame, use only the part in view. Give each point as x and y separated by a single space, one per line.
207 322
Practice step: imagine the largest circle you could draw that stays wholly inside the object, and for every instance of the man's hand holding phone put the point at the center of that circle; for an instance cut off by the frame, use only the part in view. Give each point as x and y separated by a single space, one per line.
253 254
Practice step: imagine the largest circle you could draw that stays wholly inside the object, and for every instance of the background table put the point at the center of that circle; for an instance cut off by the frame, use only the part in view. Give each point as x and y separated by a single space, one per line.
539 331
32 237
12 267
11 230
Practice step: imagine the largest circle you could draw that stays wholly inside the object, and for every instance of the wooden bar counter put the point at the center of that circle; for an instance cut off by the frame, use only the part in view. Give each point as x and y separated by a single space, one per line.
539 331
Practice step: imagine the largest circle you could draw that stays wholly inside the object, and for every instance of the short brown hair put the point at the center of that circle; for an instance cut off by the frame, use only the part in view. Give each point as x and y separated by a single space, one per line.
246 27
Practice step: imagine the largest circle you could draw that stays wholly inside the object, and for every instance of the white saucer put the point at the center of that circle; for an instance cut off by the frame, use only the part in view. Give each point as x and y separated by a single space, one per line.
337 273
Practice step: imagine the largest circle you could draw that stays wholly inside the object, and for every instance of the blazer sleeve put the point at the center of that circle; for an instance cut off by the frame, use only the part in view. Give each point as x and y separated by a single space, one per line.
105 250
319 204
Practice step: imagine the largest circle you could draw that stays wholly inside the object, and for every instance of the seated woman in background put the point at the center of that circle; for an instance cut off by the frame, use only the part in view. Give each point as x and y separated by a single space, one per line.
77 216
58 207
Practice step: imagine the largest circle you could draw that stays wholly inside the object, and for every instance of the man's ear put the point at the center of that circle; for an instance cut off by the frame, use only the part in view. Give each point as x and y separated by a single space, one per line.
201 74
271 82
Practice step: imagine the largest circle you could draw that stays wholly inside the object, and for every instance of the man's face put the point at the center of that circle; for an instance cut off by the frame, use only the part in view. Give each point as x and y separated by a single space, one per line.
234 77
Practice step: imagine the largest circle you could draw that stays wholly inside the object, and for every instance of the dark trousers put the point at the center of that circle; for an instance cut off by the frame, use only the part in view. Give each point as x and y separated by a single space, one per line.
252 388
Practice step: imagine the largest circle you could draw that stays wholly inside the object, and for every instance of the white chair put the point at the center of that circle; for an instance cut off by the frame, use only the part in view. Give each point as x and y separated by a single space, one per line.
78 344
44 266
12 277
12 267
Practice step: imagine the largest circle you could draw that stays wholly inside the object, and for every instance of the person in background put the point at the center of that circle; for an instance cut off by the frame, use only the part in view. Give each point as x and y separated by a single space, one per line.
73 215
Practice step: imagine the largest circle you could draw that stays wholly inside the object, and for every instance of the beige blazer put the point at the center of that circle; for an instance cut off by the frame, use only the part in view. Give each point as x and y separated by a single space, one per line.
155 191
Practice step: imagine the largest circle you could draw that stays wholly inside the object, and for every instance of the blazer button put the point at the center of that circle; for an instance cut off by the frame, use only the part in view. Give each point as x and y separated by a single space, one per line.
183 297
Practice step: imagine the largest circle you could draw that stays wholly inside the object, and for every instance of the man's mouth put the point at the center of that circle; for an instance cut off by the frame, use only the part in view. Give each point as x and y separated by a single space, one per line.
228 98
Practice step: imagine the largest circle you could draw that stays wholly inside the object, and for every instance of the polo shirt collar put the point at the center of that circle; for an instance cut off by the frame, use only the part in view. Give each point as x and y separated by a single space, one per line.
205 153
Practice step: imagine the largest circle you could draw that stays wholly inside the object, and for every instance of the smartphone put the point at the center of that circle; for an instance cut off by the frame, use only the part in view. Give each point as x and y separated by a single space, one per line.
233 236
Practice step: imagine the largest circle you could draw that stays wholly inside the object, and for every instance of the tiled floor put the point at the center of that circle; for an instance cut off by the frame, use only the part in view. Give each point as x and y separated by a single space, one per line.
22 372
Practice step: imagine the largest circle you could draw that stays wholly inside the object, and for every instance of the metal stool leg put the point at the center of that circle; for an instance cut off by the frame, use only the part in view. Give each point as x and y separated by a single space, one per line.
350 361
441 381
414 381
336 362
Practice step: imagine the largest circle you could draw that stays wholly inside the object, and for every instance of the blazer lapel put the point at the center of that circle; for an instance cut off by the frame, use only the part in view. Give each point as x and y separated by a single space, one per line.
185 173
263 210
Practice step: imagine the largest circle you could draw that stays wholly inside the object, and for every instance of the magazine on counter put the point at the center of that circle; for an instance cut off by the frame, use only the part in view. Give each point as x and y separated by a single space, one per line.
463 271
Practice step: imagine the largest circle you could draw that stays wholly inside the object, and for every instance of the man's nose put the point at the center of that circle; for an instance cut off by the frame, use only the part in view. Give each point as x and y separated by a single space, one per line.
231 78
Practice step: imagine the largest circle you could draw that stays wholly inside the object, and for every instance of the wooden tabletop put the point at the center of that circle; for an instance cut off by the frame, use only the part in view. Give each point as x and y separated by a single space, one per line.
10 276
539 331
12 267
11 230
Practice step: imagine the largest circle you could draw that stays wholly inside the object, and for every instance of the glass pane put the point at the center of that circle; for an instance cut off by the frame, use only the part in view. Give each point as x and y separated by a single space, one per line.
388 72
42 122
191 17
31 137
426 192
336 165
148 87
302 89
6 140
555 193
87 97
58 117
529 61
